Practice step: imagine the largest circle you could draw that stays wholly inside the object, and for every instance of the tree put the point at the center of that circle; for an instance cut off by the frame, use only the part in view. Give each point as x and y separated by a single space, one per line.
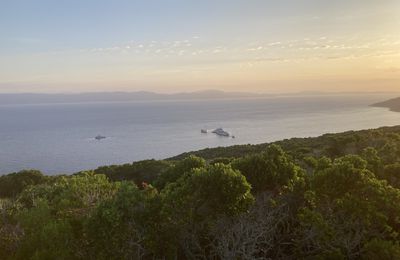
390 152
142 171
271 170
45 237
125 227
197 199
74 192
347 207
10 232
258 234
51 215
14 183
391 173
374 162
381 249
178 170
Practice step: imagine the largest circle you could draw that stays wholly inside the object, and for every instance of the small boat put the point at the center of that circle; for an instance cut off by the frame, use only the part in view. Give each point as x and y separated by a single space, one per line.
221 132
204 131
99 137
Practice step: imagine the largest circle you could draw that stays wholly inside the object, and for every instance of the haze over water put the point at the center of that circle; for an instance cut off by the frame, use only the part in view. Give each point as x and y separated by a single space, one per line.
263 46
59 138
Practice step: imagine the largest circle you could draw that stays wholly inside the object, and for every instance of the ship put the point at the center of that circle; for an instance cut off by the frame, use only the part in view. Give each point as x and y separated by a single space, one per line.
221 132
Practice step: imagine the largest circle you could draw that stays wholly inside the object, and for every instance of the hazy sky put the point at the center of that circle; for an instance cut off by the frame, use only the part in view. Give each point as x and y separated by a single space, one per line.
188 45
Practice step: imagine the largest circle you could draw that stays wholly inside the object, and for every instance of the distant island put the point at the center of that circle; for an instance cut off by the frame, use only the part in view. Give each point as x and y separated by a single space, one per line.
392 104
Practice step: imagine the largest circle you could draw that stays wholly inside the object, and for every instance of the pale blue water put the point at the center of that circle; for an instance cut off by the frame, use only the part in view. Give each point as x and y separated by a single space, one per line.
60 138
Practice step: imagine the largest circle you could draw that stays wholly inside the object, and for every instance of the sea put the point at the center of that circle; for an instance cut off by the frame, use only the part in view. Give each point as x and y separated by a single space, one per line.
60 138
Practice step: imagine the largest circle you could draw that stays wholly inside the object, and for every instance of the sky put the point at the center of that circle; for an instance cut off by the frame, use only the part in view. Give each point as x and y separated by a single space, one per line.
69 46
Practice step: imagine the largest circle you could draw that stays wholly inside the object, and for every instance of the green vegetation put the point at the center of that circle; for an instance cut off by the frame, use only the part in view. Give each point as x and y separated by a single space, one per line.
332 197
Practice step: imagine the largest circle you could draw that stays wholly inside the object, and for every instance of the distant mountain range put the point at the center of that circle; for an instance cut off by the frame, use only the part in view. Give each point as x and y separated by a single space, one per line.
35 98
392 104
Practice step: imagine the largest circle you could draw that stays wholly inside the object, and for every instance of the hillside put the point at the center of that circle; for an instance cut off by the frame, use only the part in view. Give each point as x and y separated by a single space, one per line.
336 196
392 104
330 145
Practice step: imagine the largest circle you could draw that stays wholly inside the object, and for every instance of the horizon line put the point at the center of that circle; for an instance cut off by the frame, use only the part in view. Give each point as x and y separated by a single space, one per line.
311 92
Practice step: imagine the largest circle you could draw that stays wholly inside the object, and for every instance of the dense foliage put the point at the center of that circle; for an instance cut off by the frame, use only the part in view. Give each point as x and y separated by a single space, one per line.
332 197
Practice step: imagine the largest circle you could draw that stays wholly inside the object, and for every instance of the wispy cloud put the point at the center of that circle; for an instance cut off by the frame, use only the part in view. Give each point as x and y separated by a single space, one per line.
322 47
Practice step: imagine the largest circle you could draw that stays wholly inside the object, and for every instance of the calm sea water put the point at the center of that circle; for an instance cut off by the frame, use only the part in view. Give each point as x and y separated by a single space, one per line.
59 138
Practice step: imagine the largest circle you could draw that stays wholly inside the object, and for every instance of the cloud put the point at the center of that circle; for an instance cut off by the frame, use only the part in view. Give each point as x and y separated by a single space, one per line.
187 51
274 44
259 48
